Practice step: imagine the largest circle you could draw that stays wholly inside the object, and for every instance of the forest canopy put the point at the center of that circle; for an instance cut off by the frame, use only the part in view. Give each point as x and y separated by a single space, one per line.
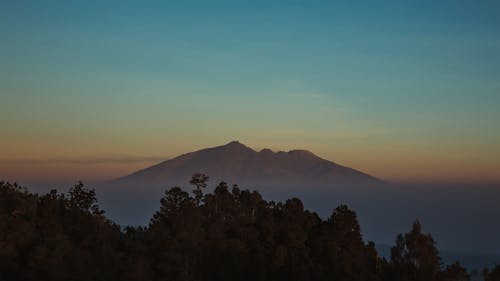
228 234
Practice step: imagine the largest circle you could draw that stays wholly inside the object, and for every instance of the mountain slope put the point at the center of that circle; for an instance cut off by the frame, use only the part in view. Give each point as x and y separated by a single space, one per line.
237 163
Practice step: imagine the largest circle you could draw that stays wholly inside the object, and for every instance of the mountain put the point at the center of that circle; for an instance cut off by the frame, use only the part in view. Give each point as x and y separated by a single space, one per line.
237 163
133 199
448 211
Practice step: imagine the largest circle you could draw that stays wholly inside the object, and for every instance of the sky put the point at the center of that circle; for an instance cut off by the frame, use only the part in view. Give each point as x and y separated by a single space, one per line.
407 91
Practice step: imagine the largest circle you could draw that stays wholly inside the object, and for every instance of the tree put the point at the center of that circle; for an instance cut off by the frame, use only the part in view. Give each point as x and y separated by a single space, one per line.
174 236
415 256
454 272
352 259
199 181
171 205
493 275
84 199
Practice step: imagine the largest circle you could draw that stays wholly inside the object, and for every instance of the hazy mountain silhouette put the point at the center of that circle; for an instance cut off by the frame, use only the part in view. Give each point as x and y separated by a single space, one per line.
450 212
237 163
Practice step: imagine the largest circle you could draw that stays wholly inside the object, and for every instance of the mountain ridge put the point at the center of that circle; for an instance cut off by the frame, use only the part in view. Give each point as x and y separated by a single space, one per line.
238 163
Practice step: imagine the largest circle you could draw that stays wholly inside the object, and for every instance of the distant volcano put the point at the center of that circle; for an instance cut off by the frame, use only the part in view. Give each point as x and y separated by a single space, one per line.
237 163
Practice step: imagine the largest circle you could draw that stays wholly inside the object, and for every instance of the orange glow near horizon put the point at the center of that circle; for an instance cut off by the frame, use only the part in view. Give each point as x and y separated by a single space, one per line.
392 166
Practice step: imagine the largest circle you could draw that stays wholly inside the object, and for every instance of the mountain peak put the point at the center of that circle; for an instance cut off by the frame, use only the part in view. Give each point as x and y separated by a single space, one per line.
236 145
236 162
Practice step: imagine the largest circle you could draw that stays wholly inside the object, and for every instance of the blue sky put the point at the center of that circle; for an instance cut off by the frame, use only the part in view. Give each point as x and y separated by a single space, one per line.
405 90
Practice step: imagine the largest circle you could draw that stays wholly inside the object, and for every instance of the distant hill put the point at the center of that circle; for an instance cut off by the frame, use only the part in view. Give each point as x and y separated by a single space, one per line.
237 163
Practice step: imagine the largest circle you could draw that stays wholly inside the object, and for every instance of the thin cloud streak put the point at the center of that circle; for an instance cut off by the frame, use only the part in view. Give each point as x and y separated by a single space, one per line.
85 161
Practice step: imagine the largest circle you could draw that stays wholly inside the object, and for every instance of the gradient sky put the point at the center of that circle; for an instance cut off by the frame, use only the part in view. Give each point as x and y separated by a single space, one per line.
404 90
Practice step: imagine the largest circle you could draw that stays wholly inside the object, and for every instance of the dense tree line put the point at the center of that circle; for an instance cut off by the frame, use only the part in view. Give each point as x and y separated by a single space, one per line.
229 234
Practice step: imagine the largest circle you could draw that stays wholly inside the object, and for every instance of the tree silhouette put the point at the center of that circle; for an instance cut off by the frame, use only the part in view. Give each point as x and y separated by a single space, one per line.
455 272
492 275
199 181
415 256
234 235
83 199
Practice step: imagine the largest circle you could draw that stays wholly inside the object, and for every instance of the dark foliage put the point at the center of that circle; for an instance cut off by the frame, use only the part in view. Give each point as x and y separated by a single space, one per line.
492 275
230 234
